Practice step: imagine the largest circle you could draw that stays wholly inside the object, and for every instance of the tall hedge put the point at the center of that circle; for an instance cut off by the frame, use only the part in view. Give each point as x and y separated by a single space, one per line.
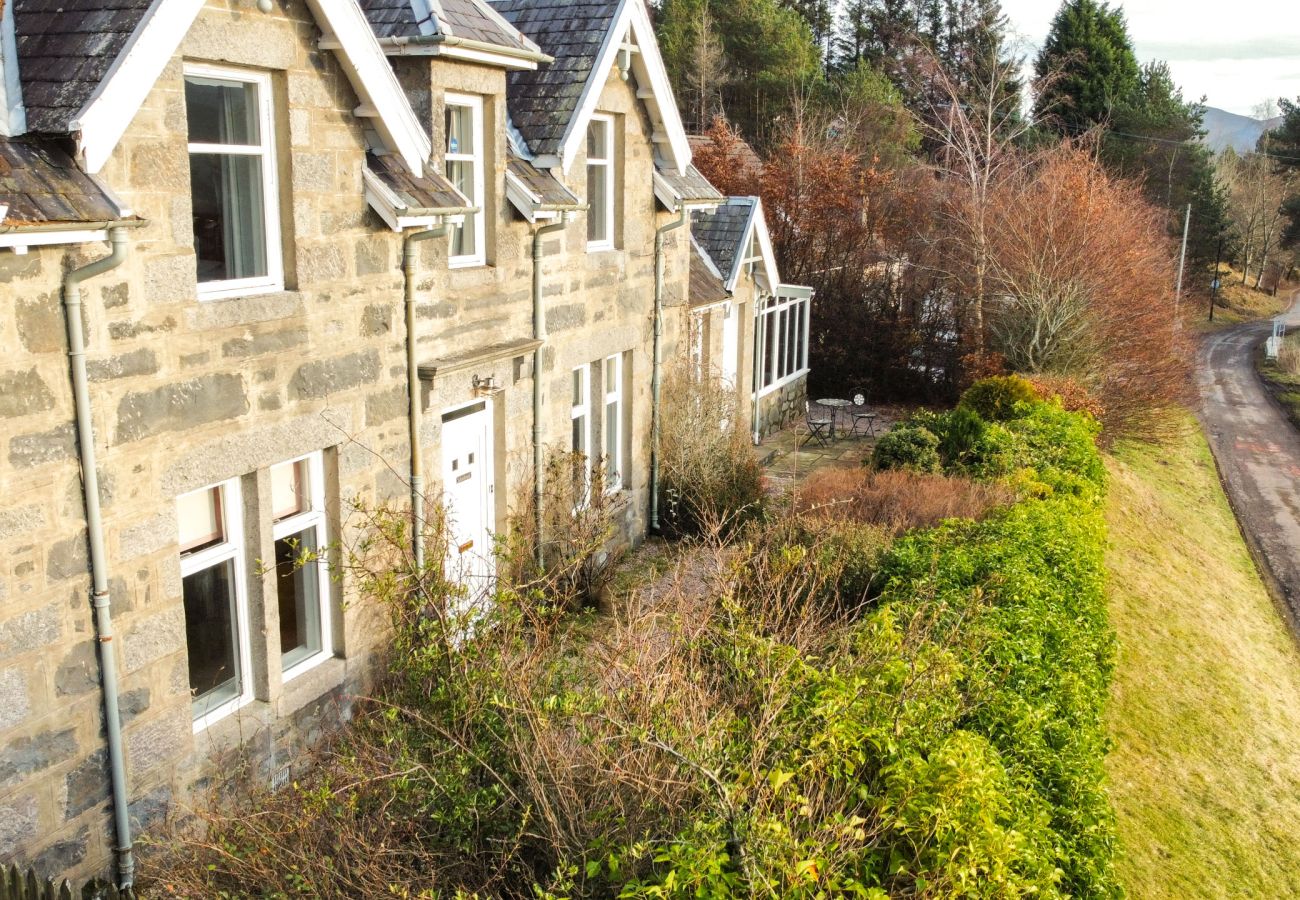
955 748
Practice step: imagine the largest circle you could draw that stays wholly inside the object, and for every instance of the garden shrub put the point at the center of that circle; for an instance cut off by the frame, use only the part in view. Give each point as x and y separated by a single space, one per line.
827 564
998 398
897 500
815 709
907 446
709 477
1029 581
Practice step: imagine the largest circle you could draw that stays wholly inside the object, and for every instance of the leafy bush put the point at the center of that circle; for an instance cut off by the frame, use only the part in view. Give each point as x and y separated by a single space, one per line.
805 711
828 564
907 447
998 398
709 477
961 436
1029 582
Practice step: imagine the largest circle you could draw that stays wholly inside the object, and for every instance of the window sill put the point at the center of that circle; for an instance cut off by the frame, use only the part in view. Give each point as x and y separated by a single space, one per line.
245 310
787 380
466 262
310 680
235 292
228 724
303 666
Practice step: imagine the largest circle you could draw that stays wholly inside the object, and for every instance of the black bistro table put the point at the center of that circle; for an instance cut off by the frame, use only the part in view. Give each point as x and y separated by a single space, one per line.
837 407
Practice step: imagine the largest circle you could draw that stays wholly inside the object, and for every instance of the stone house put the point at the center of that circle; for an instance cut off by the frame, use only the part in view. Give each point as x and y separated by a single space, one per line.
251 254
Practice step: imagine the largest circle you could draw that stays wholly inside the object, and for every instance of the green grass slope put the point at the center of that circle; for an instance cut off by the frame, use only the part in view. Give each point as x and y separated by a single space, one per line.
1205 712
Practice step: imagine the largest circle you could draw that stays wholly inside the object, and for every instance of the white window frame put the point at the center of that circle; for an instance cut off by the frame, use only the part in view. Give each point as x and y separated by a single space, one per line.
606 123
612 394
771 311
274 278
478 160
232 548
698 326
582 410
313 517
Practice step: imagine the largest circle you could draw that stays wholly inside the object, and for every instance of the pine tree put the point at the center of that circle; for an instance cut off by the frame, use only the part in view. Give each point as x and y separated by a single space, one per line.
1087 67
1283 145
1153 138
764 54
820 16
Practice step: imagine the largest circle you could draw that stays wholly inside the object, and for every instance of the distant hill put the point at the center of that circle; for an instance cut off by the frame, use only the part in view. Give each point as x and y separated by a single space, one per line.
1224 129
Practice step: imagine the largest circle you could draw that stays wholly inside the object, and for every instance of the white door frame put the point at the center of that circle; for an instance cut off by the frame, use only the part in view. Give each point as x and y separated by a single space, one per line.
731 344
471 421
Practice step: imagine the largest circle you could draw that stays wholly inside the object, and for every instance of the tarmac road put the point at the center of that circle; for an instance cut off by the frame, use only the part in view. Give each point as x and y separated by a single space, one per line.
1257 450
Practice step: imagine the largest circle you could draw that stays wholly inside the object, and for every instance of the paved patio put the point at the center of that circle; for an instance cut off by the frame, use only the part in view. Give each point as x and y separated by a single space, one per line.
788 460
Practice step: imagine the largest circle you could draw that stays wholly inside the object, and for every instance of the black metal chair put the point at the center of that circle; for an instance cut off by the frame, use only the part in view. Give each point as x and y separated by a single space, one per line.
820 424
861 416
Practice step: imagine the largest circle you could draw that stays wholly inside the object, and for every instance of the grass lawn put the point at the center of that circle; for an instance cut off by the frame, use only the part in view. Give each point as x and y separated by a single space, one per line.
1205 714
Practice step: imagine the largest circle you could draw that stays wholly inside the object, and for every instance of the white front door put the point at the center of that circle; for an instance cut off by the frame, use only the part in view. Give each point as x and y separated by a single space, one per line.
730 343
467 476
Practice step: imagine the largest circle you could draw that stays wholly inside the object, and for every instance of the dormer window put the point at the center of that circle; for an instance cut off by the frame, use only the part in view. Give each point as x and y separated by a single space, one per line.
232 182
600 183
464 158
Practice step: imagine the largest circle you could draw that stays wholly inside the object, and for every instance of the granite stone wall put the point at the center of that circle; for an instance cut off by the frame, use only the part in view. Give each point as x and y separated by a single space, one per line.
187 393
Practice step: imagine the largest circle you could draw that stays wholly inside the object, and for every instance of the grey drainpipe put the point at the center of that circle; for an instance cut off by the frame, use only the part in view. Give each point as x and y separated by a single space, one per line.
413 389
539 333
655 376
95 531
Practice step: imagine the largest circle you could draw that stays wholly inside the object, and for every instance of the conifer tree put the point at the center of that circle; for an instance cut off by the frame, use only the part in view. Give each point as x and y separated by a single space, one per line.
1283 145
767 55
1090 57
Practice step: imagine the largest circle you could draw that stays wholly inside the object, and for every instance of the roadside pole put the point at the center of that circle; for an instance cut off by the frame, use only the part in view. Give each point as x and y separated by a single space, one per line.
1214 285
1182 260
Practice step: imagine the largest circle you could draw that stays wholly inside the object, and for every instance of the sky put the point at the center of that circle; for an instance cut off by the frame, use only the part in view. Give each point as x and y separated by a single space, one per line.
1237 53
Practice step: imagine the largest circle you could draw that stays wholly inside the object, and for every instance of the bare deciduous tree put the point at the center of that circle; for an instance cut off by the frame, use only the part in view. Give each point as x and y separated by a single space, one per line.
1083 274
975 124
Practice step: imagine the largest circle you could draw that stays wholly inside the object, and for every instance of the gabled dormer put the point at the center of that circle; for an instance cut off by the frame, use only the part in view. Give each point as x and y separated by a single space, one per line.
89 82
553 105
463 30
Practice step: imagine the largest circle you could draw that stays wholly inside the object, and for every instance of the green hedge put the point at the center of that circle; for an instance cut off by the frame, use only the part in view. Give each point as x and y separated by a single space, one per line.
960 733
849 718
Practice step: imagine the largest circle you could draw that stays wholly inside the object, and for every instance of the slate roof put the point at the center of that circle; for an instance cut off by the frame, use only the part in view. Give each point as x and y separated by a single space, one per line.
721 232
41 185
691 186
706 286
543 185
468 19
65 48
391 18
433 191
542 102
